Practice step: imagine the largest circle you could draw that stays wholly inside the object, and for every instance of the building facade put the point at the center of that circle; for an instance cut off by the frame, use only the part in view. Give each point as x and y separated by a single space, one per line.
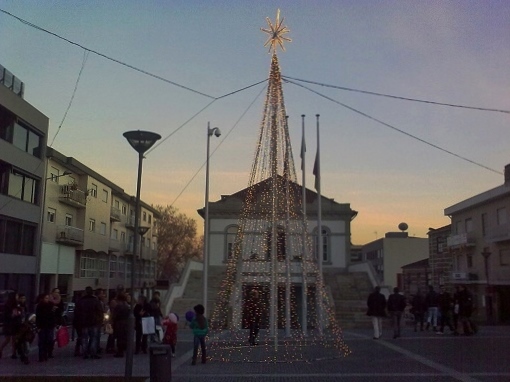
440 258
88 231
254 269
480 248
23 137
389 254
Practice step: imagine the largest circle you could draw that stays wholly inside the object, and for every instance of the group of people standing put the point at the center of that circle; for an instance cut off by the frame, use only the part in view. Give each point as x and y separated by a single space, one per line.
20 327
435 309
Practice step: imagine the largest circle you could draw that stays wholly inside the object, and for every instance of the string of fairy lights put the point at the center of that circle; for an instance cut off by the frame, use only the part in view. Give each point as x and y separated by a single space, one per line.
268 257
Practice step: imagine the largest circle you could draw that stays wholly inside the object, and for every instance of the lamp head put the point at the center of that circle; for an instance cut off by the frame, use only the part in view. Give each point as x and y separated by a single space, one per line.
141 141
217 132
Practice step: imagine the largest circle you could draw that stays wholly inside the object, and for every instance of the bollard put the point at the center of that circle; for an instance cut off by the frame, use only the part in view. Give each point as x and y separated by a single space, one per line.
160 362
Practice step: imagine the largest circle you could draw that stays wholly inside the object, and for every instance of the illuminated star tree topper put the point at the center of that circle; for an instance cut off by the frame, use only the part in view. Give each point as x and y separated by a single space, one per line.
276 33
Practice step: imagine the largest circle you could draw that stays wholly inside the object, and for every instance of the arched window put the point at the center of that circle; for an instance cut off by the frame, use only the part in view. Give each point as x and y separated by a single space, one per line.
230 237
326 233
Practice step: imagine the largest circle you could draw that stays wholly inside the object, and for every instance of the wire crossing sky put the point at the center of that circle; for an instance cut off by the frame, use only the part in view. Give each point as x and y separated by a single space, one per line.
433 53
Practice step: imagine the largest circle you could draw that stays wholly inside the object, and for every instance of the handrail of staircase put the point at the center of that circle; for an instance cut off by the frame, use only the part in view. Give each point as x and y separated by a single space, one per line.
368 267
176 290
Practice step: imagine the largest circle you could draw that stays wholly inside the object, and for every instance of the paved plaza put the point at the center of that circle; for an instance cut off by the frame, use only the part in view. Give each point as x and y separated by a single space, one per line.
422 356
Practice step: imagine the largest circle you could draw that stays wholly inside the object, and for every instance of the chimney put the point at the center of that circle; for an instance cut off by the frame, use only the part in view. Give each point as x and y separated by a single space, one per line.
507 175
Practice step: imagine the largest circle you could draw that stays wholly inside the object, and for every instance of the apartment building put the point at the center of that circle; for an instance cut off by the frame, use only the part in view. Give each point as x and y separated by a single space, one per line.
88 231
23 136
389 254
480 248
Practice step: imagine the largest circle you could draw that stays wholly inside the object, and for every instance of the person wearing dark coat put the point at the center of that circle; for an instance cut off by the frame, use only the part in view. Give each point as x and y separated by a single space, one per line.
45 321
396 305
254 313
120 319
376 303
418 309
89 316
432 302
445 308
141 309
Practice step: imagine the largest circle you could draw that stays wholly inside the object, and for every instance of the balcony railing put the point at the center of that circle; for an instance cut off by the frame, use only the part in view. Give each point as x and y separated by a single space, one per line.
115 214
498 233
69 235
460 240
71 195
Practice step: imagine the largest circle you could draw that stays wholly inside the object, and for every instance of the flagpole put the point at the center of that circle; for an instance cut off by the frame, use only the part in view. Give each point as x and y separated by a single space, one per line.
304 294
287 223
320 254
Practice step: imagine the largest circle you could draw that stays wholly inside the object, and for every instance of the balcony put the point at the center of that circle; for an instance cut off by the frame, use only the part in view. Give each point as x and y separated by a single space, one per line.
72 196
114 214
114 245
130 223
69 235
461 240
498 233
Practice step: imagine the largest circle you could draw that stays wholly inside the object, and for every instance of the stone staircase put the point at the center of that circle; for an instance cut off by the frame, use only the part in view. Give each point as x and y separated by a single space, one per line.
193 293
349 292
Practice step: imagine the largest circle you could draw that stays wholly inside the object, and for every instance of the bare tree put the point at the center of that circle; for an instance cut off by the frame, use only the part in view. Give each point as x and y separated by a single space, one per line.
177 242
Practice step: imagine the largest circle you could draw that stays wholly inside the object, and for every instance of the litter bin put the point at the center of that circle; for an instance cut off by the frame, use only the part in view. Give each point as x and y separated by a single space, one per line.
160 362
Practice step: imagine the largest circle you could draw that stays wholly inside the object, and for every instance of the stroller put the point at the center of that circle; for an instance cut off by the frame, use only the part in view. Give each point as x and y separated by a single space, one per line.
24 337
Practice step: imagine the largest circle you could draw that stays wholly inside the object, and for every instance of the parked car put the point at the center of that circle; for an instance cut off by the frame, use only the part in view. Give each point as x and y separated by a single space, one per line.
68 313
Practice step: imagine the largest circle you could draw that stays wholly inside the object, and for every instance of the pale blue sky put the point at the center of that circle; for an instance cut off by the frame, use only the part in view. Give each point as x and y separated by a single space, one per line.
446 51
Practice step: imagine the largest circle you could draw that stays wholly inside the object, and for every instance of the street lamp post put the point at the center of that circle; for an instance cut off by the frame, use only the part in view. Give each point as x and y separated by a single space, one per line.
216 131
141 141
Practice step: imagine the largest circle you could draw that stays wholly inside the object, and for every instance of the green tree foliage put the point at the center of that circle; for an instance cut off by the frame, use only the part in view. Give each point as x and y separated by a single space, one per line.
177 242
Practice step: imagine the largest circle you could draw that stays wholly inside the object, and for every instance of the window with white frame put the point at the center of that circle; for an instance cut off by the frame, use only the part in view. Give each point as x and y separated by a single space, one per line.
92 225
105 196
501 215
87 266
230 237
93 190
102 228
129 265
325 243
103 267
121 266
144 214
124 209
113 266
122 237
117 204
54 174
69 219
150 219
115 234
51 215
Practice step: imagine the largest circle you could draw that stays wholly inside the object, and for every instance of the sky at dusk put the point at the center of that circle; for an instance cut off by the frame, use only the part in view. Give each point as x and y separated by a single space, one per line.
454 52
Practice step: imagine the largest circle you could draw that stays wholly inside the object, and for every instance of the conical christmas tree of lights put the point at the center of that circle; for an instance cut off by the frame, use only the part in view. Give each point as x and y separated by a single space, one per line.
272 252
